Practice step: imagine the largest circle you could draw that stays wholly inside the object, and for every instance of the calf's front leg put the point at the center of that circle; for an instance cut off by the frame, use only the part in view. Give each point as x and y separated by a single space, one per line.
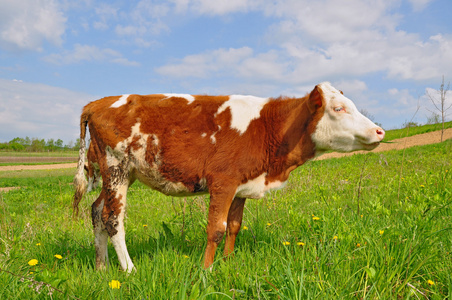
220 202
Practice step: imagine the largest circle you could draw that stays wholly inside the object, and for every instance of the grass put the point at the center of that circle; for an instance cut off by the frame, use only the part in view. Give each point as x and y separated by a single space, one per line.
373 226
40 154
403 132
35 163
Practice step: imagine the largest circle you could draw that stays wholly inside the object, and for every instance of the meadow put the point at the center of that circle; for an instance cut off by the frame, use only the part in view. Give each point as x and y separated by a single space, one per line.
368 226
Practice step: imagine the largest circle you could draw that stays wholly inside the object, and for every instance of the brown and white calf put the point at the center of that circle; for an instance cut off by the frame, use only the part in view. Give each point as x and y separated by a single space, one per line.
232 147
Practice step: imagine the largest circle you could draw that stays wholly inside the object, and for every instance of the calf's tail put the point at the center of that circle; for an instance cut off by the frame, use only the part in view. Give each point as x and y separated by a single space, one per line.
80 182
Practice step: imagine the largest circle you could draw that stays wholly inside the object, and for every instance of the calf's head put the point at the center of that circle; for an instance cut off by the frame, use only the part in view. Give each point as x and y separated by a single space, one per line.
341 126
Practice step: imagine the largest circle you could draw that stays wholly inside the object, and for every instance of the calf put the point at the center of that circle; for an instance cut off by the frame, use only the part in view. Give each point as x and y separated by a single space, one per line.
232 147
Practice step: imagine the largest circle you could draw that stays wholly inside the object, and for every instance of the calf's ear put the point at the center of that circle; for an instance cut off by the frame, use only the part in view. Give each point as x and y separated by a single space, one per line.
315 99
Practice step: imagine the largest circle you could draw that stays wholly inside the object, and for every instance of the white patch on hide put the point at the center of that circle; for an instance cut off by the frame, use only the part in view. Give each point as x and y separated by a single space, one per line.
187 97
256 188
213 140
243 109
122 100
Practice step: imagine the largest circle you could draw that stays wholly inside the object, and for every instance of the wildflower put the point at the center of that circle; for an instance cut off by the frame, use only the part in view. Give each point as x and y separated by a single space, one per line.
286 243
33 262
269 224
358 245
301 244
145 225
58 256
335 237
430 282
315 218
245 228
38 244
422 186
185 256
362 216
381 232
114 284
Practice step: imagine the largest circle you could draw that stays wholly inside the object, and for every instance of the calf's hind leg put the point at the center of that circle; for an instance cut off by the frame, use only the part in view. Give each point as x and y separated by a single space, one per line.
113 217
108 220
100 232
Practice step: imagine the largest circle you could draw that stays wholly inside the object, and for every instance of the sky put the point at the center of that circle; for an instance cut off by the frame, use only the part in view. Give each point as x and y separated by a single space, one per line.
58 55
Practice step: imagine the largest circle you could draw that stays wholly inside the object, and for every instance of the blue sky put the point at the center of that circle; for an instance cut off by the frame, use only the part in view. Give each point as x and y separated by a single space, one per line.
57 55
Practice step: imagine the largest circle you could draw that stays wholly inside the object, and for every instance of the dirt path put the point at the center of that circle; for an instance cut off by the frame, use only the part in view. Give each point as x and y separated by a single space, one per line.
416 140
38 167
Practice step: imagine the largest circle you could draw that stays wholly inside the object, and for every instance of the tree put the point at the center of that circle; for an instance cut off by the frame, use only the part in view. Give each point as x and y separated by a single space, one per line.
50 145
37 145
440 104
59 144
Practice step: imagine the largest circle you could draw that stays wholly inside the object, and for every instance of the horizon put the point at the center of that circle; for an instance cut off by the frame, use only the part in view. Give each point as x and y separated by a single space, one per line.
56 56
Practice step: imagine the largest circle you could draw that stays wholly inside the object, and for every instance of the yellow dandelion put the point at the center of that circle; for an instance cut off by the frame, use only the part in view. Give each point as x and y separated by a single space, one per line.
38 244
33 262
185 256
315 218
430 282
381 232
335 237
268 224
58 256
245 228
301 244
358 245
114 284
362 216
145 225
286 243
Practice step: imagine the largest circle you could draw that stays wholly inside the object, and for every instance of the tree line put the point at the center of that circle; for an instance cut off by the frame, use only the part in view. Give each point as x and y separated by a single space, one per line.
38 145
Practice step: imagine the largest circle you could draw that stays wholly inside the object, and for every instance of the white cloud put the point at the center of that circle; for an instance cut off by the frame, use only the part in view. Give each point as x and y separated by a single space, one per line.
221 7
82 53
323 40
351 85
419 5
207 64
27 24
105 13
38 110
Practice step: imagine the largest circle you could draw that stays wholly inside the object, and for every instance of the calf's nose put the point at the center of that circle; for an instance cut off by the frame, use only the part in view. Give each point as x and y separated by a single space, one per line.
380 133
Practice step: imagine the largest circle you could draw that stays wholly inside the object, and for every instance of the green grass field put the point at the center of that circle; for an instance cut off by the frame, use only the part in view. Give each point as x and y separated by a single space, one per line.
403 132
40 154
373 226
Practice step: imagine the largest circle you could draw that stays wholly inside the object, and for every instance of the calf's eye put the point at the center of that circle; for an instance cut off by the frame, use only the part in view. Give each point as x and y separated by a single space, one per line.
338 109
